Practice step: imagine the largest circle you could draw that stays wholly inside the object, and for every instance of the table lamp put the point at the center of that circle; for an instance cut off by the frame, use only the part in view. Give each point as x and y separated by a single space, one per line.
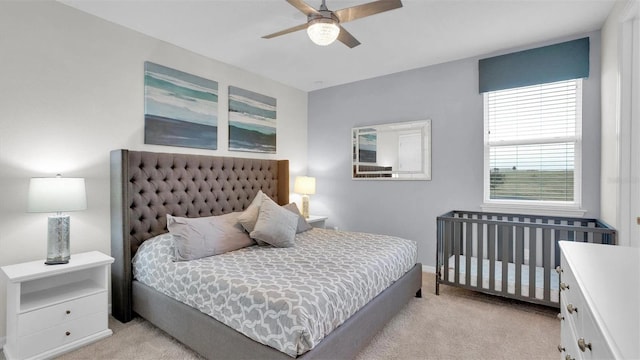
57 194
305 185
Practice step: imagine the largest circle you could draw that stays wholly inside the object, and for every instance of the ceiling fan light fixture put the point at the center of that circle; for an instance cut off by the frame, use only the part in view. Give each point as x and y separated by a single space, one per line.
323 31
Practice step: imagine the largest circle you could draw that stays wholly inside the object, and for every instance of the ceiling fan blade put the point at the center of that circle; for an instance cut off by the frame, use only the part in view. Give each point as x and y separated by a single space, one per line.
286 31
303 6
346 38
360 11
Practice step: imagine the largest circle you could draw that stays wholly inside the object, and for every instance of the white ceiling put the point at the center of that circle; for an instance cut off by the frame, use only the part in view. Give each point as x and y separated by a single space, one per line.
421 33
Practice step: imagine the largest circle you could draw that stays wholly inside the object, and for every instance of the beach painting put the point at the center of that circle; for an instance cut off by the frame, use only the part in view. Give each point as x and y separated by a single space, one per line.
252 121
180 109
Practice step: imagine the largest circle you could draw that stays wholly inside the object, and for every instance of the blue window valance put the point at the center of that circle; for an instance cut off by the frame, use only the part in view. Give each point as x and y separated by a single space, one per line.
563 61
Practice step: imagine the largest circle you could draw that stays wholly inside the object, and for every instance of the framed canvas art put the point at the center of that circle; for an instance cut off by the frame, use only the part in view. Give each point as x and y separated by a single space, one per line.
252 121
180 109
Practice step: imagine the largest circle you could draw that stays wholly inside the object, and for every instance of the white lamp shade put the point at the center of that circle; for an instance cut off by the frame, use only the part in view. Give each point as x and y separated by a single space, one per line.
323 31
305 185
56 194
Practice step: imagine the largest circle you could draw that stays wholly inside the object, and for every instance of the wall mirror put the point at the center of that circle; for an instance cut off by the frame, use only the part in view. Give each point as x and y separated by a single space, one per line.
398 151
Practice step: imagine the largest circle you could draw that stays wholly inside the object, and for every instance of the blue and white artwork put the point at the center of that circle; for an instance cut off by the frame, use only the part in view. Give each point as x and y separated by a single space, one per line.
180 109
252 121
367 147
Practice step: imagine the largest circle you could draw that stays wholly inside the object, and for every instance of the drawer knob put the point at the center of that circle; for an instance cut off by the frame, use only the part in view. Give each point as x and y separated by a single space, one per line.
571 309
583 345
560 316
564 286
68 312
67 333
558 269
560 348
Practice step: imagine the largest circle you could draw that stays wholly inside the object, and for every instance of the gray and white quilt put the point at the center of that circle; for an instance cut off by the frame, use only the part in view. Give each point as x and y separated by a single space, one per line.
287 298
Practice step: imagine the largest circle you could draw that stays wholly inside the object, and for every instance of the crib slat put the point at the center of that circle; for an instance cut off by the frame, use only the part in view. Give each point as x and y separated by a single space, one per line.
546 262
506 232
480 256
556 247
519 261
448 229
468 254
457 237
533 246
491 242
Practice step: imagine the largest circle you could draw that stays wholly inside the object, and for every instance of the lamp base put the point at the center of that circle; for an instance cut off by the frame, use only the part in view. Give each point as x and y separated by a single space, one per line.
58 240
56 262
305 206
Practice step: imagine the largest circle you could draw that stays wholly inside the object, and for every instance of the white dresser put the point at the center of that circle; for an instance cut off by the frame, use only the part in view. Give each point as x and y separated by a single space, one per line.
599 301
52 309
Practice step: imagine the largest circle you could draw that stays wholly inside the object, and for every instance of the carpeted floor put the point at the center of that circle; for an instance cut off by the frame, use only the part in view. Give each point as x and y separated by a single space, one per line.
458 324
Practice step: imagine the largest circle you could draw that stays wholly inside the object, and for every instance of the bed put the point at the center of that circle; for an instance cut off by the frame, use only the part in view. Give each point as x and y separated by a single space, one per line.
147 186
510 255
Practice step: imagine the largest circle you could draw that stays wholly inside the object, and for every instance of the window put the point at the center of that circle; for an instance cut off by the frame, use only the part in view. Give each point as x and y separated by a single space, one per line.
533 145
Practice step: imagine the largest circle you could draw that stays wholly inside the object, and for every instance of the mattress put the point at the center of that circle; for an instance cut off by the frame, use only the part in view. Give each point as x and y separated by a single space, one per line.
511 280
286 298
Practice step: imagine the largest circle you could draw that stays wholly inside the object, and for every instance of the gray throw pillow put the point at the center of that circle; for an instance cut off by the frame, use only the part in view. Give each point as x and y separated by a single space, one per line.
276 225
249 216
207 236
303 225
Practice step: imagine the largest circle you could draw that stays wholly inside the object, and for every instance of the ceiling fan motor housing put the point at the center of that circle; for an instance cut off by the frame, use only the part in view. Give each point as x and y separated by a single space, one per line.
323 14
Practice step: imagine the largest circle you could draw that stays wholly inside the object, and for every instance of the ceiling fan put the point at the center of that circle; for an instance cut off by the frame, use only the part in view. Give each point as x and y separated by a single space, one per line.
324 26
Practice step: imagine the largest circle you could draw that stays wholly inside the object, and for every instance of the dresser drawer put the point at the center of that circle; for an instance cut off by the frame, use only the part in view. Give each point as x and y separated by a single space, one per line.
62 334
37 320
599 349
568 284
568 342
574 315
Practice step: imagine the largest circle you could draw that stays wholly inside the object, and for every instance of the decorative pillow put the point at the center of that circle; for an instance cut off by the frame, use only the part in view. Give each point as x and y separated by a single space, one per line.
207 236
303 225
276 225
249 216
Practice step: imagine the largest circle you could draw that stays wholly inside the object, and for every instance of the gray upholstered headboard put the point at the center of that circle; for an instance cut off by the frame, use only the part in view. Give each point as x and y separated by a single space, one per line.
146 186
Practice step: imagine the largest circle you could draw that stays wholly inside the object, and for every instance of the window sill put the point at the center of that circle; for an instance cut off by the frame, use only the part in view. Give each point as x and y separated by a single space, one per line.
543 210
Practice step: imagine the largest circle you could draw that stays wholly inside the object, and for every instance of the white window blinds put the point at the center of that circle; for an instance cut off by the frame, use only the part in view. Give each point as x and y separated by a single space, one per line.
532 142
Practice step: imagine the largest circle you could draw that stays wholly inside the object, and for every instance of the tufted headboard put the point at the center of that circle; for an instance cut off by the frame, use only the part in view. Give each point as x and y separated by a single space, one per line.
146 186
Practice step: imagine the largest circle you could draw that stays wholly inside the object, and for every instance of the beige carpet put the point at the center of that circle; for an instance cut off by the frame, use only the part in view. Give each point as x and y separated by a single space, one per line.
458 324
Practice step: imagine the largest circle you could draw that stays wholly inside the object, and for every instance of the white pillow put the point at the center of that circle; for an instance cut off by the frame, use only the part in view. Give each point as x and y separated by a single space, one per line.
206 236
276 225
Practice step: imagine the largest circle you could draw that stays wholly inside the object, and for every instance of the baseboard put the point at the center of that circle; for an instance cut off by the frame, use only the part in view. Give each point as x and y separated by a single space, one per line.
429 269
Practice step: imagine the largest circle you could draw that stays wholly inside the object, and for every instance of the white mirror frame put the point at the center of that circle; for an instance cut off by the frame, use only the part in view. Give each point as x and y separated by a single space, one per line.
382 169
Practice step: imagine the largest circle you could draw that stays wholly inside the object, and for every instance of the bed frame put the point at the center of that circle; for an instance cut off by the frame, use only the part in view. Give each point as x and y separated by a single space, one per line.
525 242
146 186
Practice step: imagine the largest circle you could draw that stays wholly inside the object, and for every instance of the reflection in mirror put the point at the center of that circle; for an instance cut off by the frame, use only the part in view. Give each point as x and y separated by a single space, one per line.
398 151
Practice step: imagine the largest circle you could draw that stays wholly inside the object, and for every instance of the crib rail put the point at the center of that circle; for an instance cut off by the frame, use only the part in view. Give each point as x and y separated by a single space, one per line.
511 255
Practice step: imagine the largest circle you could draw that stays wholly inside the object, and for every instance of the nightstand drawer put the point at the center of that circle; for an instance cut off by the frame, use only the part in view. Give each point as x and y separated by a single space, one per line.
34 321
62 334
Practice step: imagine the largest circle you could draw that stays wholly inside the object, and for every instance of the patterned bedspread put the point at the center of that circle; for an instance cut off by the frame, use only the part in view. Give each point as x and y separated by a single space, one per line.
287 298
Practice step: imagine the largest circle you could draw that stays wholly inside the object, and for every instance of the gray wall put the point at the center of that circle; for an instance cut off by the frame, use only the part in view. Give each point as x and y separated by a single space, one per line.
448 95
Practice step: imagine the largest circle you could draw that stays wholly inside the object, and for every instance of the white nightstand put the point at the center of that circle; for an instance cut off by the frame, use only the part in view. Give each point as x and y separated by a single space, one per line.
53 309
317 221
